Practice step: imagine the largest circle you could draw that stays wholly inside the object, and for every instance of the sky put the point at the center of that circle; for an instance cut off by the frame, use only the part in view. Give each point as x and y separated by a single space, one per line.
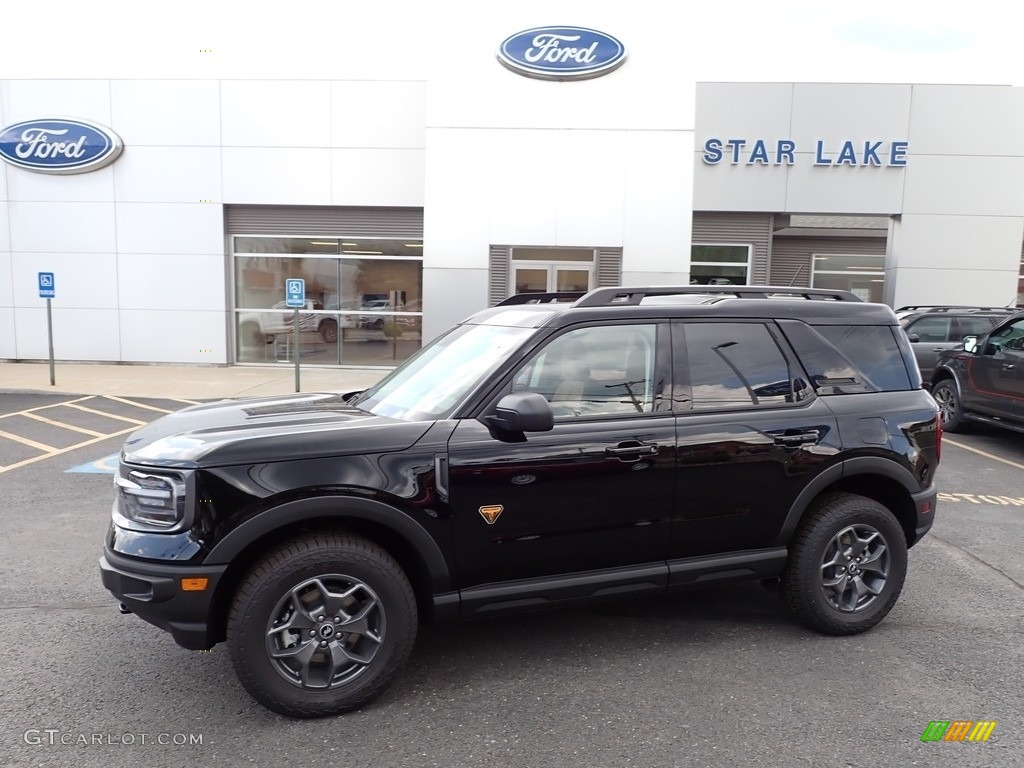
904 41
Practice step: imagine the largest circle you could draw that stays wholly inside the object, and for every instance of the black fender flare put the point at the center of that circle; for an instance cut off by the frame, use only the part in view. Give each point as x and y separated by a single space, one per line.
859 465
340 508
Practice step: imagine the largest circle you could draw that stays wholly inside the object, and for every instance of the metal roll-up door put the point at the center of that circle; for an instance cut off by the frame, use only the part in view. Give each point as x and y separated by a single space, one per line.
323 220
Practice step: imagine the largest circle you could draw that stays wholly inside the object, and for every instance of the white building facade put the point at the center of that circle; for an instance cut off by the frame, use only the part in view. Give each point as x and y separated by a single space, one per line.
407 203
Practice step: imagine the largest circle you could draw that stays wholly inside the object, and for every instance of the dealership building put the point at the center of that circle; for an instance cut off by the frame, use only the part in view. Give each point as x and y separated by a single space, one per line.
171 214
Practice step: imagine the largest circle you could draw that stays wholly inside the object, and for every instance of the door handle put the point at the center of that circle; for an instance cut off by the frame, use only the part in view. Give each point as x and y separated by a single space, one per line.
1008 366
632 450
796 439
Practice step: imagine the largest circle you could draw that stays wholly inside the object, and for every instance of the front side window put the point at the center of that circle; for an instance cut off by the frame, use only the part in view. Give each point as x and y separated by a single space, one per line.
596 372
735 365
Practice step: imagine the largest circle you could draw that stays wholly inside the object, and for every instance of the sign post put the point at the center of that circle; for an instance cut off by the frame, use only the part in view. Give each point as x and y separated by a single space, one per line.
48 291
295 297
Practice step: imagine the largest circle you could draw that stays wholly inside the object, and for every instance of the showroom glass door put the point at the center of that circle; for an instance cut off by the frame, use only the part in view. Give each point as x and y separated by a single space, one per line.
548 270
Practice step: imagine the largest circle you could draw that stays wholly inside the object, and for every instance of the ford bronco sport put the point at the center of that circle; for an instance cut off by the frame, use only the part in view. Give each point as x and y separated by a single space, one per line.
633 441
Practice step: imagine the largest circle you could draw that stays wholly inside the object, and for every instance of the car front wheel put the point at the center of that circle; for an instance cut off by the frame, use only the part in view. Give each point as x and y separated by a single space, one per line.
846 565
321 625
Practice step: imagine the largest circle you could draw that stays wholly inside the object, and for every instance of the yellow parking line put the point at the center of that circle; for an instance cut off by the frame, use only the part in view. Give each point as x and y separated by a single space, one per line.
103 413
62 425
44 407
982 453
30 443
58 451
138 405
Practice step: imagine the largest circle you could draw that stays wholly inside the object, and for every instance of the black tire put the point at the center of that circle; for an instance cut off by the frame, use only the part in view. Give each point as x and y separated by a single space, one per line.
950 407
341 581
823 578
329 331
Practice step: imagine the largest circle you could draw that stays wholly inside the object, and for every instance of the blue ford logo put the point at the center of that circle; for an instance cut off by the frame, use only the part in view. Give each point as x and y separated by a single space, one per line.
59 146
561 53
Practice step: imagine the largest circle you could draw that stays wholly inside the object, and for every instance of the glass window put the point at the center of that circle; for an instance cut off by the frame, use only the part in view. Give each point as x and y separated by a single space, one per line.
973 326
434 382
735 365
719 264
596 372
861 274
363 300
931 328
874 352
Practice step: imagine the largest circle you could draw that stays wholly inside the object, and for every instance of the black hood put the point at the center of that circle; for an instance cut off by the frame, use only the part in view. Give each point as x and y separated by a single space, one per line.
254 430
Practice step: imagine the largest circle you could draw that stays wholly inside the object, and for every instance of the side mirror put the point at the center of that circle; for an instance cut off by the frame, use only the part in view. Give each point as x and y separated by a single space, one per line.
971 344
914 338
523 412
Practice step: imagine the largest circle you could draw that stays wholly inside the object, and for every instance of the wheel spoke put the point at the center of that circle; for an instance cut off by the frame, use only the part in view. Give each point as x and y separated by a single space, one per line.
360 624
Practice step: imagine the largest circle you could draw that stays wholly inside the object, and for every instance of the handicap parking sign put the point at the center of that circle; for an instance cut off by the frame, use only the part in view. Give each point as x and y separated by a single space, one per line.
295 292
47 289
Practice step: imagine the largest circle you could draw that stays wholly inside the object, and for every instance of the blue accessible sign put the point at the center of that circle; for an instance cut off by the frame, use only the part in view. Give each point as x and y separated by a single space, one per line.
295 293
47 289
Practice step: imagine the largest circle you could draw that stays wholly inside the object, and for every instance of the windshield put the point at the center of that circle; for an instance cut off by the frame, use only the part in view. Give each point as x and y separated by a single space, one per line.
434 381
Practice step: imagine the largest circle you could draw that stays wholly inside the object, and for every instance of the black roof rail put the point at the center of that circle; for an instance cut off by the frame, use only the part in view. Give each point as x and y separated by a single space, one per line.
949 307
540 298
601 297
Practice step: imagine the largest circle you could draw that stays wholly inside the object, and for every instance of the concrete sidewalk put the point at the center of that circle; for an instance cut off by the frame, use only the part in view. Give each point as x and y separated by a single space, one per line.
189 382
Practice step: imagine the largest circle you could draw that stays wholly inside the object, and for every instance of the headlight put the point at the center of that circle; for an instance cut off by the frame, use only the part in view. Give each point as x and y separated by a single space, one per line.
149 499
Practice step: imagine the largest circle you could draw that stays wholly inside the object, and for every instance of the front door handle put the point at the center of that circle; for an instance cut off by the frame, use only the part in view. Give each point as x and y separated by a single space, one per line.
1008 366
796 439
632 450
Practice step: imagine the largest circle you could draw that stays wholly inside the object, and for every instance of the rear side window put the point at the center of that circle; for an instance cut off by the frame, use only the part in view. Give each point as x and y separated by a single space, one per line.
931 328
734 365
845 359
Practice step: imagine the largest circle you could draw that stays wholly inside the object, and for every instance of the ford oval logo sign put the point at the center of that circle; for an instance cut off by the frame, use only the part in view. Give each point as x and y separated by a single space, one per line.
59 146
562 53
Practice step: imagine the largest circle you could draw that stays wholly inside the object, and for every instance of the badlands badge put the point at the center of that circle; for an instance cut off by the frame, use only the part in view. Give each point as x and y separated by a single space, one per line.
491 513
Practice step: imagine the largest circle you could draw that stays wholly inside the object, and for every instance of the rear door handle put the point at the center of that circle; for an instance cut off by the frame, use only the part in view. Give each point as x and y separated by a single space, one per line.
632 450
796 439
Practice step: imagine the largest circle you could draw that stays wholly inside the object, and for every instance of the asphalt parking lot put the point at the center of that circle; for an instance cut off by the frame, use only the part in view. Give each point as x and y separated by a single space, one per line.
718 677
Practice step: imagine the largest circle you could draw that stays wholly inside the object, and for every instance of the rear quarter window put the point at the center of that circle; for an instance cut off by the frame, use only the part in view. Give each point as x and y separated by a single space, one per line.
844 359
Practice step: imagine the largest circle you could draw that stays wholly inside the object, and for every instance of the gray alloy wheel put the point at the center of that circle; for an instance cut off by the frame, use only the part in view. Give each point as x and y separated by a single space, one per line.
321 625
326 631
847 564
948 400
854 568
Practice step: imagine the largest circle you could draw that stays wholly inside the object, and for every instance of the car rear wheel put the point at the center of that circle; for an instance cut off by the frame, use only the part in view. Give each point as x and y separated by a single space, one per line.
321 625
950 408
846 565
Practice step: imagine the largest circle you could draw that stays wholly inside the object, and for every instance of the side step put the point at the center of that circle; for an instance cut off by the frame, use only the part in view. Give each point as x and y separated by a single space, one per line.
994 421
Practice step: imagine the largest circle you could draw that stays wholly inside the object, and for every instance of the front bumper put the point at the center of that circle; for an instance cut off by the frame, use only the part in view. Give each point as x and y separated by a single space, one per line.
154 593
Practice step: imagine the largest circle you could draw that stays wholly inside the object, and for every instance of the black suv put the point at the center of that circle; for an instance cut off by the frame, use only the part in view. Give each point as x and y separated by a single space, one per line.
933 330
634 441
983 379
